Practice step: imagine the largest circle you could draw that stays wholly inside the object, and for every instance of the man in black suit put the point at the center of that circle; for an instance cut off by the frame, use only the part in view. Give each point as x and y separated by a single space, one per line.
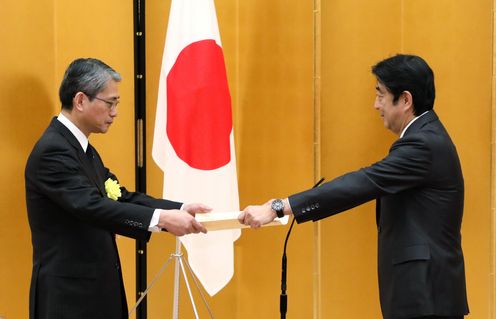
76 206
419 192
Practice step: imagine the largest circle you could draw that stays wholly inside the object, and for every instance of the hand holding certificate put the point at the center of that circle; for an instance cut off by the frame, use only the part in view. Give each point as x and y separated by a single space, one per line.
257 216
229 220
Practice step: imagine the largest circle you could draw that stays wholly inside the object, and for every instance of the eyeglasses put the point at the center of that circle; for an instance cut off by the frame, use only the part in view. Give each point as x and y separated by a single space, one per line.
111 104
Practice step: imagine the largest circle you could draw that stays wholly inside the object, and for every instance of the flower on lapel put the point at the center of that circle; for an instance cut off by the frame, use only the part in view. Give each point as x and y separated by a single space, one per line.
113 189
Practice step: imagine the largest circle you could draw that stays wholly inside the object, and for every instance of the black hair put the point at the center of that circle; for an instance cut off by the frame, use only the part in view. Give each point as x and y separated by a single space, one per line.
89 76
410 73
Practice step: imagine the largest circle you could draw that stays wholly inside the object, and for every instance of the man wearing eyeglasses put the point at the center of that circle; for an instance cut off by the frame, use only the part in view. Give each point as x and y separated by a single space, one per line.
76 206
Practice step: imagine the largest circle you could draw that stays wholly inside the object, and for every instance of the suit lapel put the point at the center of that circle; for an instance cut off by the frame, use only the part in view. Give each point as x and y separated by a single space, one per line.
88 167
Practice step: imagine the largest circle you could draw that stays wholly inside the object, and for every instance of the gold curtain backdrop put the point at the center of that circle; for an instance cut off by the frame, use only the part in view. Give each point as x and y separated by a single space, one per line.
269 47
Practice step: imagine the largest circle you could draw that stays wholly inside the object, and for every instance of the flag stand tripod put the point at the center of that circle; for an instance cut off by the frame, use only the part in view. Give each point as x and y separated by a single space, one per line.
179 267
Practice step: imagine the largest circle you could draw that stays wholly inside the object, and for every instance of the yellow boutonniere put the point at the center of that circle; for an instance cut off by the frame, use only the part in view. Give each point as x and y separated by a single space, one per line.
113 189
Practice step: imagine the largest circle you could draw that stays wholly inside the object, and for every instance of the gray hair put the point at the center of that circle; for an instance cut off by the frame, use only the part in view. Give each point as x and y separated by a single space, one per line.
89 76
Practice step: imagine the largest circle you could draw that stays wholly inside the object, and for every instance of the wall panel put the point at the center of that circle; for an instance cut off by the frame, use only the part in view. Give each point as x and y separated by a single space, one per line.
355 35
27 96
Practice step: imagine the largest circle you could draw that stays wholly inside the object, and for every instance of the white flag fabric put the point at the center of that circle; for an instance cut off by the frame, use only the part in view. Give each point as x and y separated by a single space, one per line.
193 139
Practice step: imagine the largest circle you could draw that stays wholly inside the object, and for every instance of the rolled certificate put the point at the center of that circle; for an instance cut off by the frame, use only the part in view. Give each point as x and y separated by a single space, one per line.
229 220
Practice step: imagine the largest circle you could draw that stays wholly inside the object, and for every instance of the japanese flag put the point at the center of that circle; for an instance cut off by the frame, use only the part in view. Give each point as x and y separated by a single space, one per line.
193 139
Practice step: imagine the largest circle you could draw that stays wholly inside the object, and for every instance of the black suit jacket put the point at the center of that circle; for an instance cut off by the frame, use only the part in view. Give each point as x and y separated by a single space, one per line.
76 267
419 191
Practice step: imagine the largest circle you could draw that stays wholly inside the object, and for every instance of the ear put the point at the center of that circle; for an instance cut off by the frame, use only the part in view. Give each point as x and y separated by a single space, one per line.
79 100
407 99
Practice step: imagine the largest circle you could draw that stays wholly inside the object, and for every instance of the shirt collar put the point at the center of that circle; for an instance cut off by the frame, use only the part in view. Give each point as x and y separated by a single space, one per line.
411 122
82 139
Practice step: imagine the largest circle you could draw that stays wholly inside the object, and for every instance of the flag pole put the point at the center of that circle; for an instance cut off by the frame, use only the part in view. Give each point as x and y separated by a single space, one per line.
140 141
317 234
175 307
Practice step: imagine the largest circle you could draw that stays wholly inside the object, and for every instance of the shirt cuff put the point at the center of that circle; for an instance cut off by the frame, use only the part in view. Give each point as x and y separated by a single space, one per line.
289 206
154 222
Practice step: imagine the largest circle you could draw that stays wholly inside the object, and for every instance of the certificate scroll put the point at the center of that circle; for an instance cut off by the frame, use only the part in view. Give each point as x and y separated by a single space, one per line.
229 220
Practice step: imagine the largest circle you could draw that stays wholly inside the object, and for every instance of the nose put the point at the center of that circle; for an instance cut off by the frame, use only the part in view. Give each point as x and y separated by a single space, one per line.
113 111
376 104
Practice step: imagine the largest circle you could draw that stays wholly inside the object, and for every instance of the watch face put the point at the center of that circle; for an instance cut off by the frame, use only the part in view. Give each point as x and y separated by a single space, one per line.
277 205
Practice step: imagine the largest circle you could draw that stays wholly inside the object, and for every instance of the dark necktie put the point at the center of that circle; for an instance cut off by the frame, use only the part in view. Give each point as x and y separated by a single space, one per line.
90 154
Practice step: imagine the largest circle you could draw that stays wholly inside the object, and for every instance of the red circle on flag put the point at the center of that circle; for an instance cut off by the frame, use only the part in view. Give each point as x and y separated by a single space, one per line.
199 119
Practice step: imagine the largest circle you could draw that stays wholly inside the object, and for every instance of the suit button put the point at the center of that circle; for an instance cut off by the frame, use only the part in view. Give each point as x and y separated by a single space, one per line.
117 266
317 205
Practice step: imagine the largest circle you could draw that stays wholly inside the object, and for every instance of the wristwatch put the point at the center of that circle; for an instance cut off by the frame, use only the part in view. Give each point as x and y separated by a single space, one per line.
278 206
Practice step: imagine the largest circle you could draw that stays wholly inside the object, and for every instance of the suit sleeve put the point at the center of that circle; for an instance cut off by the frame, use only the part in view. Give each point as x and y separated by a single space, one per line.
407 165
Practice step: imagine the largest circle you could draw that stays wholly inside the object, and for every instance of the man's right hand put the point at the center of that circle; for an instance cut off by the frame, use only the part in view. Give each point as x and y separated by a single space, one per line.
179 222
